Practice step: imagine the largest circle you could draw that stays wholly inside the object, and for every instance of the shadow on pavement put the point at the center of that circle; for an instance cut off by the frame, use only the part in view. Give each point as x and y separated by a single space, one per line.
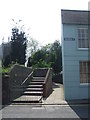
45 119
55 85
81 111
81 108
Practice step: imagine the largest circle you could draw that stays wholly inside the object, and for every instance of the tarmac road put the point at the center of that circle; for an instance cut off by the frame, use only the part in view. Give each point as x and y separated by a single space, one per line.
46 111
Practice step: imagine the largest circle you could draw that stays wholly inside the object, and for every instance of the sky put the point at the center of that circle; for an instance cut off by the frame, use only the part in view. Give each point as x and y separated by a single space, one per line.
41 18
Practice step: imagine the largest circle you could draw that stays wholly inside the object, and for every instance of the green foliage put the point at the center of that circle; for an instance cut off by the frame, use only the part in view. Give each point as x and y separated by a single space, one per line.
7 61
18 46
48 56
42 58
41 64
56 47
5 70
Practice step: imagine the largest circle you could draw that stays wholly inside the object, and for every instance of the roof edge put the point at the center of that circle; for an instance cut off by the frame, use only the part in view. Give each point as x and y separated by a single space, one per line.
75 10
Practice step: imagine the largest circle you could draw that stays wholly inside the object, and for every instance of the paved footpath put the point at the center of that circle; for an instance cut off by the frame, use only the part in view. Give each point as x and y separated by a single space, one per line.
57 96
45 111
53 107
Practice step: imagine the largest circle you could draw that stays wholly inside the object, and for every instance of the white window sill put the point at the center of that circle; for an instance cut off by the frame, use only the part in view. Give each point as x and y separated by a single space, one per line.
84 84
86 49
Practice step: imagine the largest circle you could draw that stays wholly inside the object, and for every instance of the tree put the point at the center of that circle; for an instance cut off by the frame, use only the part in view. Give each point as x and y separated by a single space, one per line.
56 47
31 47
18 46
7 61
48 56
42 57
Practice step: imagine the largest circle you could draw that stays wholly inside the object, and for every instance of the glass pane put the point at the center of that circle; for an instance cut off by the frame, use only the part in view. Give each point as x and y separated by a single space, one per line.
82 31
84 72
89 67
89 78
82 38
86 43
79 43
81 78
80 67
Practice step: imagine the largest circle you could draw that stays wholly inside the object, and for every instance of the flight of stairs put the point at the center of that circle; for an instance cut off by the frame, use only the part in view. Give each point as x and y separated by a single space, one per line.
33 93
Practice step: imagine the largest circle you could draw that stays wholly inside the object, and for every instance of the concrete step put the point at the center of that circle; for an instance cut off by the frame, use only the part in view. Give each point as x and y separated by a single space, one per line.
36 93
28 99
36 83
38 78
35 86
34 89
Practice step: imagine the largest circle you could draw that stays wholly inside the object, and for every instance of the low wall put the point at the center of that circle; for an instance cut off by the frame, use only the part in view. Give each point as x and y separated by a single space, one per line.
47 86
5 90
17 76
40 72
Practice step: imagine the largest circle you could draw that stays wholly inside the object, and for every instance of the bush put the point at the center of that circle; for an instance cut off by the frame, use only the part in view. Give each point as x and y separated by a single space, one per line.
41 64
7 61
57 78
5 70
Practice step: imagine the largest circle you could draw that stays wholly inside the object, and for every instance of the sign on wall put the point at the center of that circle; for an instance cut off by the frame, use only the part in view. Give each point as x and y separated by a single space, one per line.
69 39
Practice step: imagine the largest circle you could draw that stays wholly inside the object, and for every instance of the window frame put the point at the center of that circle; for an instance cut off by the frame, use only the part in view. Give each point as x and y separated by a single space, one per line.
82 62
83 48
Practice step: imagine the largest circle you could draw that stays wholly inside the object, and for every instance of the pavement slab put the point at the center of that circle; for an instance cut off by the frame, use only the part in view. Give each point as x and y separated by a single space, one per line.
57 95
28 98
45 111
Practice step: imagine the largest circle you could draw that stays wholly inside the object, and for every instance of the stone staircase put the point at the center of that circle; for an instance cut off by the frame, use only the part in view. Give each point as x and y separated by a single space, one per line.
33 93
36 85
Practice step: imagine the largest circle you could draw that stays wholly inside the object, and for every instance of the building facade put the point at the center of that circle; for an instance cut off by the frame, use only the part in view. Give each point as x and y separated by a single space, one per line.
75 51
5 49
0 52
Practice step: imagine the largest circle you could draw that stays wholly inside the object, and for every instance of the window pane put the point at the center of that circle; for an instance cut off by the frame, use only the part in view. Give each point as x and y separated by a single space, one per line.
84 71
89 78
83 38
89 67
86 43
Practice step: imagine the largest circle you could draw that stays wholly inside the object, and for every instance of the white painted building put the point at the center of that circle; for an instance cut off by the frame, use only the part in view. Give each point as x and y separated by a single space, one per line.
75 54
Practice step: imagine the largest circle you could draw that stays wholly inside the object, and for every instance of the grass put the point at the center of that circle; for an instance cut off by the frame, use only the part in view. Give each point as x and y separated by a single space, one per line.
5 70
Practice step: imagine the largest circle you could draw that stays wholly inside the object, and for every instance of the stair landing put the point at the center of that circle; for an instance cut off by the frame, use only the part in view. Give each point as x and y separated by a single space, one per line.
29 99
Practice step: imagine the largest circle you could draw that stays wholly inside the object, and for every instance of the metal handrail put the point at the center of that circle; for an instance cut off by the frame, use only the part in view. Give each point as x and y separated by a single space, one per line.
27 78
